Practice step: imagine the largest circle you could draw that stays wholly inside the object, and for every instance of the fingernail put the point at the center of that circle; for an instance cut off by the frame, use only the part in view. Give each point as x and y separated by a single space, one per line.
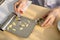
21 11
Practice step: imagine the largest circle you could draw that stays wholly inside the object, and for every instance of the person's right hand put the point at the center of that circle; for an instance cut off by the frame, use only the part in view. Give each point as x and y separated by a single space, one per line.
55 13
19 5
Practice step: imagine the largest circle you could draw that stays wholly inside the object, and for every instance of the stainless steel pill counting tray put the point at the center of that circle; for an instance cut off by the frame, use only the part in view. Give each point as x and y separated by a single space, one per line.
22 27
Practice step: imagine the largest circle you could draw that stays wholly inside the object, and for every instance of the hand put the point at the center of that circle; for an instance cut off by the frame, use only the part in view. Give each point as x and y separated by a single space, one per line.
51 17
19 5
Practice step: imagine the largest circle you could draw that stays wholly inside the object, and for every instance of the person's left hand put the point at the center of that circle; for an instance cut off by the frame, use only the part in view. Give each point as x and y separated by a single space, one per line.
51 17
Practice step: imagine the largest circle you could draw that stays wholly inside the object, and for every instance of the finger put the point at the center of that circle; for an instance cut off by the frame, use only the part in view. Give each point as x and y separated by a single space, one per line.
22 5
47 20
50 22
16 5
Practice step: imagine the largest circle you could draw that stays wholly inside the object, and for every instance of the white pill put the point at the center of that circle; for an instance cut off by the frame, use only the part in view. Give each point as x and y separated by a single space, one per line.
10 26
14 23
27 25
14 29
21 28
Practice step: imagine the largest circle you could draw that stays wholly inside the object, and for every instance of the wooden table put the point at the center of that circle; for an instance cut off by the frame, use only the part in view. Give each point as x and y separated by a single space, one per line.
39 33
